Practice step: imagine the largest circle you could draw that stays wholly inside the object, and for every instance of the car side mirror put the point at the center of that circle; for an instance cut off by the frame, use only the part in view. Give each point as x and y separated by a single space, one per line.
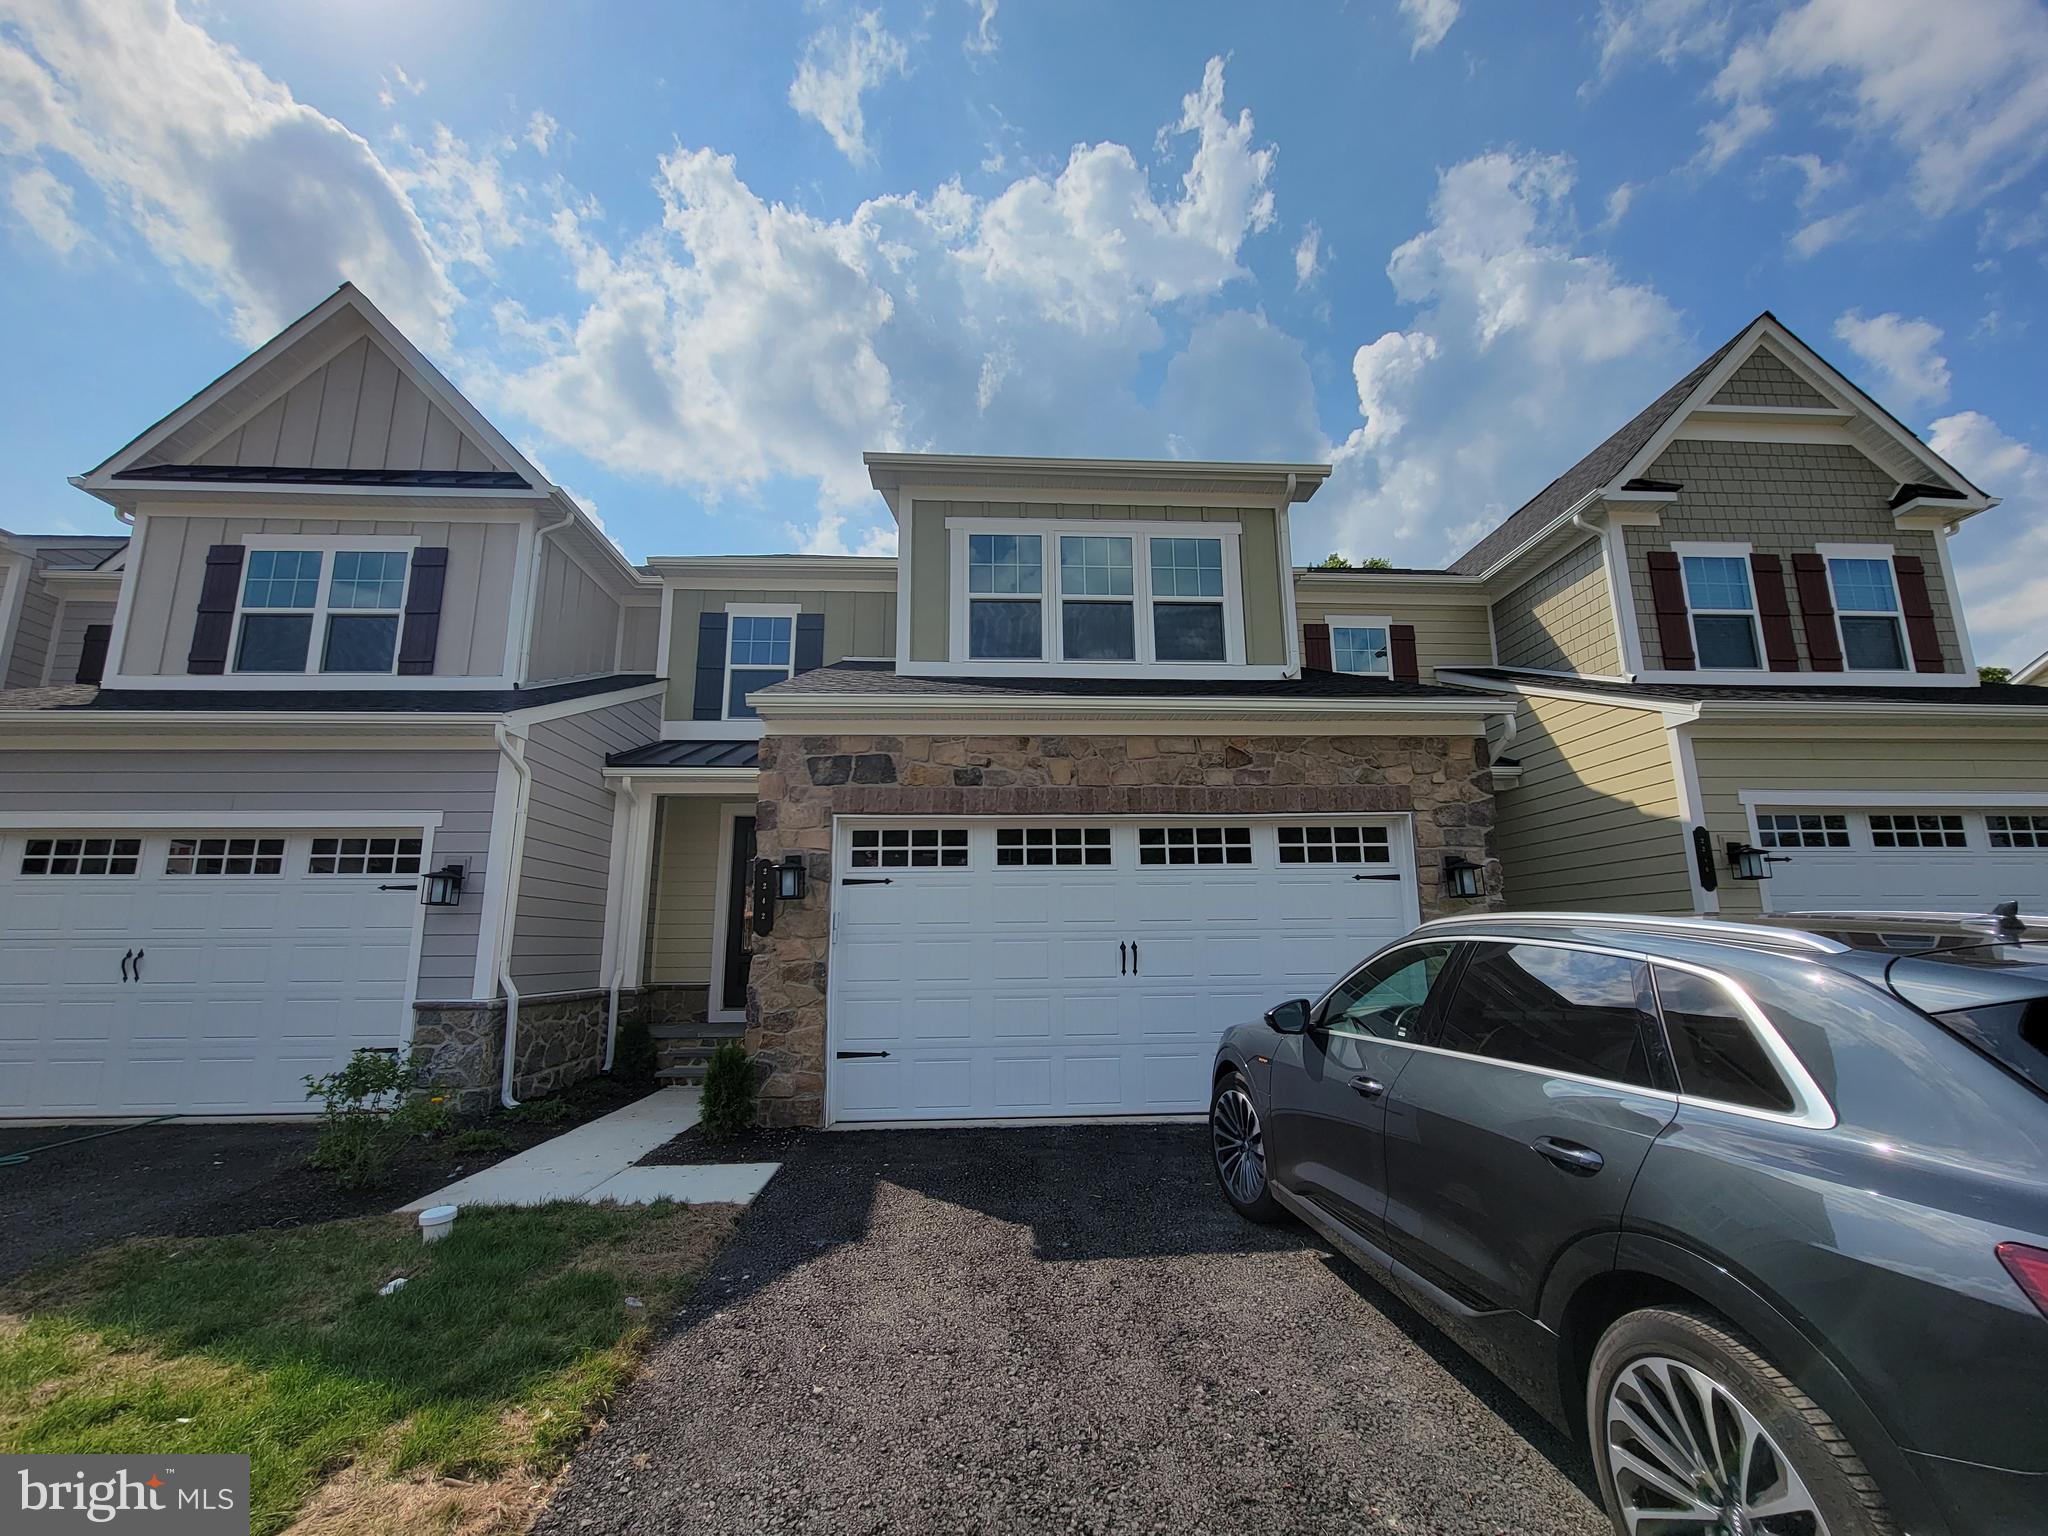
1289 1018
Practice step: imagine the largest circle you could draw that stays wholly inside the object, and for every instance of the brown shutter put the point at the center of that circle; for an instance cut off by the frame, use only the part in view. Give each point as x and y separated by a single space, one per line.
1767 574
1315 648
92 653
421 636
1817 612
1667 595
1401 639
216 622
1919 612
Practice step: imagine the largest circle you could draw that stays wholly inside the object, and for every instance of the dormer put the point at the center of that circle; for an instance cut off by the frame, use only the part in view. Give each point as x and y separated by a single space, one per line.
1013 567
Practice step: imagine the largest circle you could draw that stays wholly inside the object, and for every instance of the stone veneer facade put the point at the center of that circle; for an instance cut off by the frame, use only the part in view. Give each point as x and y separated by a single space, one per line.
461 1046
806 781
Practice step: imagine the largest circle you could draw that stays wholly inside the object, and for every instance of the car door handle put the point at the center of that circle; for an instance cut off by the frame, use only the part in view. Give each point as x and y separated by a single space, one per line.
1371 1087
1569 1155
130 955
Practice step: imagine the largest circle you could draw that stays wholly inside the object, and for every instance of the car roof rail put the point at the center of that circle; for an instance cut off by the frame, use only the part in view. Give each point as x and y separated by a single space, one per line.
1756 935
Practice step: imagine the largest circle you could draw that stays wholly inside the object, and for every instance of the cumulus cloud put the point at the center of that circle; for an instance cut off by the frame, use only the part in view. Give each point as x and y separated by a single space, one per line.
1525 349
254 200
1210 415
1910 370
839 66
471 207
541 130
1429 21
44 204
2001 556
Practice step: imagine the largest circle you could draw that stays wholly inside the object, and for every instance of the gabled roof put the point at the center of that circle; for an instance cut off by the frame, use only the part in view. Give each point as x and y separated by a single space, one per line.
1616 462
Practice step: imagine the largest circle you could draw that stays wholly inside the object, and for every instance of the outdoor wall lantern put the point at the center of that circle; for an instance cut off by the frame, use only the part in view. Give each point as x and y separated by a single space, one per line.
1464 878
1747 863
442 887
789 878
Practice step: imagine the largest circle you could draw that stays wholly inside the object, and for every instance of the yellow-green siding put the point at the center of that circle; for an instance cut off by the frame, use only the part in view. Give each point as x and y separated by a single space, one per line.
684 898
856 624
1447 634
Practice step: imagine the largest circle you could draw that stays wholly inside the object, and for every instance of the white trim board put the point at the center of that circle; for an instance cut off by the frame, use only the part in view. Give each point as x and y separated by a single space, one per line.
1881 798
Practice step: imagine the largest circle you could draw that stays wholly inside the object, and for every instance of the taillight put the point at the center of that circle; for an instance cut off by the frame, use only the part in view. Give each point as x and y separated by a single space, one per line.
2029 1266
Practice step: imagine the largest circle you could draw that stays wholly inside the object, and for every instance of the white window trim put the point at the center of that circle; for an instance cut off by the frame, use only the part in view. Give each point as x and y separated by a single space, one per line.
1693 612
1829 553
327 546
1049 597
1369 621
788 611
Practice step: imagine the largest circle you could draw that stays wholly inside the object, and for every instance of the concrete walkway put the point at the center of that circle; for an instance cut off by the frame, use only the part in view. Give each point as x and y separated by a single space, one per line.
596 1162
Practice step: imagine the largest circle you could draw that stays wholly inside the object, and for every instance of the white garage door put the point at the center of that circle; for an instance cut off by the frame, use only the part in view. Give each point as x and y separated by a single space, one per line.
149 972
993 969
1904 858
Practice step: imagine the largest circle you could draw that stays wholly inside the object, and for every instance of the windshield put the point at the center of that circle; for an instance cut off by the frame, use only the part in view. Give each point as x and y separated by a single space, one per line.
1993 997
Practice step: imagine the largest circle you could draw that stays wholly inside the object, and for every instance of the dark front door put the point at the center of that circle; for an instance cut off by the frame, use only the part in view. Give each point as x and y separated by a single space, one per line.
739 931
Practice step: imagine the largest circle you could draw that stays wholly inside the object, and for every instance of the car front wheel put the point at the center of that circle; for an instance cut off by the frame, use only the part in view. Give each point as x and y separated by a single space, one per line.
1696 1434
1237 1142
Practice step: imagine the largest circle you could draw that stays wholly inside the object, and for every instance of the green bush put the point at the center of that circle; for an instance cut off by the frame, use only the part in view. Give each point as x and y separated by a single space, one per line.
727 1107
368 1110
633 1055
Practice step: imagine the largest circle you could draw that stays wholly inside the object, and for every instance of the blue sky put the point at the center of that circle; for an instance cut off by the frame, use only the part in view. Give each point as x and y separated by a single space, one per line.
696 258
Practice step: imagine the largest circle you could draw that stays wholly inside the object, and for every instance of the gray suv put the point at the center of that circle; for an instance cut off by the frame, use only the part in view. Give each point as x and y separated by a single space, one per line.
1759 1213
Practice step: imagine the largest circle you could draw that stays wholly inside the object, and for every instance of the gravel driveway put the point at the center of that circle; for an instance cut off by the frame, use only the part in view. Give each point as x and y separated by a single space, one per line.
1053 1329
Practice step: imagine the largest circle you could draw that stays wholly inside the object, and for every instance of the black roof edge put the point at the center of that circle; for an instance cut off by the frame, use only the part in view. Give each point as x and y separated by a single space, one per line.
300 474
1642 484
1913 490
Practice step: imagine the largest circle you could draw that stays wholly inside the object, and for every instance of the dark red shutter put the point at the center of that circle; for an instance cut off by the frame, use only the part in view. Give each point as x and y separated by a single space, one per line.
215 625
1667 595
1817 612
422 632
1767 573
1401 639
1315 648
1919 612
92 653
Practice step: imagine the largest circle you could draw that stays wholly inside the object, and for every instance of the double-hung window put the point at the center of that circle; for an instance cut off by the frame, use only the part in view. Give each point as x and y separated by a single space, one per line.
1722 604
1361 646
1187 600
1006 596
1867 608
760 649
306 609
1098 599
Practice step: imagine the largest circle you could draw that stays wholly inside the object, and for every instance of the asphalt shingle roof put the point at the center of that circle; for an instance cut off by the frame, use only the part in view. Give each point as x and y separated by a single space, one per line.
868 678
1990 694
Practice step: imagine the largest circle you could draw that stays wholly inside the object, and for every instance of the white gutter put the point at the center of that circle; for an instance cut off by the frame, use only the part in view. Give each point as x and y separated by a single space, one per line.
509 922
540 536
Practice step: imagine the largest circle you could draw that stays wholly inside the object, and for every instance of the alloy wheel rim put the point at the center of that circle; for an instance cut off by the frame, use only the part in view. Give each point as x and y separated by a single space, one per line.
1240 1145
1688 1459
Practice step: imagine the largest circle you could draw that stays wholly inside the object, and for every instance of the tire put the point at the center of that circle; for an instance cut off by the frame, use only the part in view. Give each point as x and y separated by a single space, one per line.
1237 1150
1662 1358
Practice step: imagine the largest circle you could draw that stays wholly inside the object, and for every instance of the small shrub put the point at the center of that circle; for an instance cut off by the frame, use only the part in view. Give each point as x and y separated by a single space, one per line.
480 1138
633 1054
727 1106
369 1109
544 1111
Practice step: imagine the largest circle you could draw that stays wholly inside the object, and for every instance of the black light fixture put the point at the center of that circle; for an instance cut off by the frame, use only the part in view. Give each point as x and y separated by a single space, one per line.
790 878
1464 878
1747 863
442 887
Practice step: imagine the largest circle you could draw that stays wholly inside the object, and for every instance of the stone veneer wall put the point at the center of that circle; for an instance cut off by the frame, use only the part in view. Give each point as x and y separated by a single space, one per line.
808 780
461 1045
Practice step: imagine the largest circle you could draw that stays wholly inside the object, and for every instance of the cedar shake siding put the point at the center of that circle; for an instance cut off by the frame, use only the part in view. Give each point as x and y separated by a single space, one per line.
1560 619
1767 380
1781 499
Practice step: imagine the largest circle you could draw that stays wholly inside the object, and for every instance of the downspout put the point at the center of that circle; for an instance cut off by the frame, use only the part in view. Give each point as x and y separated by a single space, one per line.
510 922
626 886
540 536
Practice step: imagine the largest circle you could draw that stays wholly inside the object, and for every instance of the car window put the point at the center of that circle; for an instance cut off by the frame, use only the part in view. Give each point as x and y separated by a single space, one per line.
1715 1047
1384 996
1565 1010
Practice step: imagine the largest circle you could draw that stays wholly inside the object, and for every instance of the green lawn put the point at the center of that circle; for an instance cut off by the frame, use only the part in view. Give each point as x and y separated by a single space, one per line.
487 1364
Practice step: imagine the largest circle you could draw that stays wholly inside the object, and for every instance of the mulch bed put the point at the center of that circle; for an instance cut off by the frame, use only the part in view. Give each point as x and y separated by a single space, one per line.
755 1145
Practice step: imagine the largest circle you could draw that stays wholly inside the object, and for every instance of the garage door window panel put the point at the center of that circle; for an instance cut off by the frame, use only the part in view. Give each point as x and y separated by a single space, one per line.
365 856
1891 829
2016 831
1194 847
1386 996
1715 1047
225 856
1333 845
1555 1009
1053 847
909 848
1802 829
81 856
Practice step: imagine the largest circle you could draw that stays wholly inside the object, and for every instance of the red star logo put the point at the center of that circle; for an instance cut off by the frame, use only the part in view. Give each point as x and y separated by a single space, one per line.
155 1481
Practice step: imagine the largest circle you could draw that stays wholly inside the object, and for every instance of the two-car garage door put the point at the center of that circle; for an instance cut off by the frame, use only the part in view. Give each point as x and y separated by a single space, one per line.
202 972
1903 857
988 969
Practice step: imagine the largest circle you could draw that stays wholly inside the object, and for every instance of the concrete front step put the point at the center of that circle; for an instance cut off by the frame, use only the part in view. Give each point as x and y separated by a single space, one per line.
686 1075
697 1031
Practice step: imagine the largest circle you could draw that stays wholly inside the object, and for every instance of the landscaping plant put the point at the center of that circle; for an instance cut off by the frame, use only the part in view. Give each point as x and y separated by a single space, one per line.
368 1110
727 1106
633 1054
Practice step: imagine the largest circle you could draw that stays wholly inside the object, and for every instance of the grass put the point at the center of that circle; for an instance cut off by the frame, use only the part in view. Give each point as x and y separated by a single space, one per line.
488 1366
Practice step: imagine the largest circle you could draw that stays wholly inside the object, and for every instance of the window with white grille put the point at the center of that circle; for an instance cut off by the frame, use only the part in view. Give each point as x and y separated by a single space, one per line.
1802 829
1194 845
1918 830
910 848
1046 847
365 856
2017 831
225 856
1334 845
81 855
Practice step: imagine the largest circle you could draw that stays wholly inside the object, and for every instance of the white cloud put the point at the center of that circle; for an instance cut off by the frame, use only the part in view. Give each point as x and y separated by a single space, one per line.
1665 30
415 86
43 204
1429 21
982 41
1210 414
1816 235
1815 175
1912 372
838 67
253 199
470 206
541 130
1308 257
1619 201
2001 556
1731 133
1524 351
1961 88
